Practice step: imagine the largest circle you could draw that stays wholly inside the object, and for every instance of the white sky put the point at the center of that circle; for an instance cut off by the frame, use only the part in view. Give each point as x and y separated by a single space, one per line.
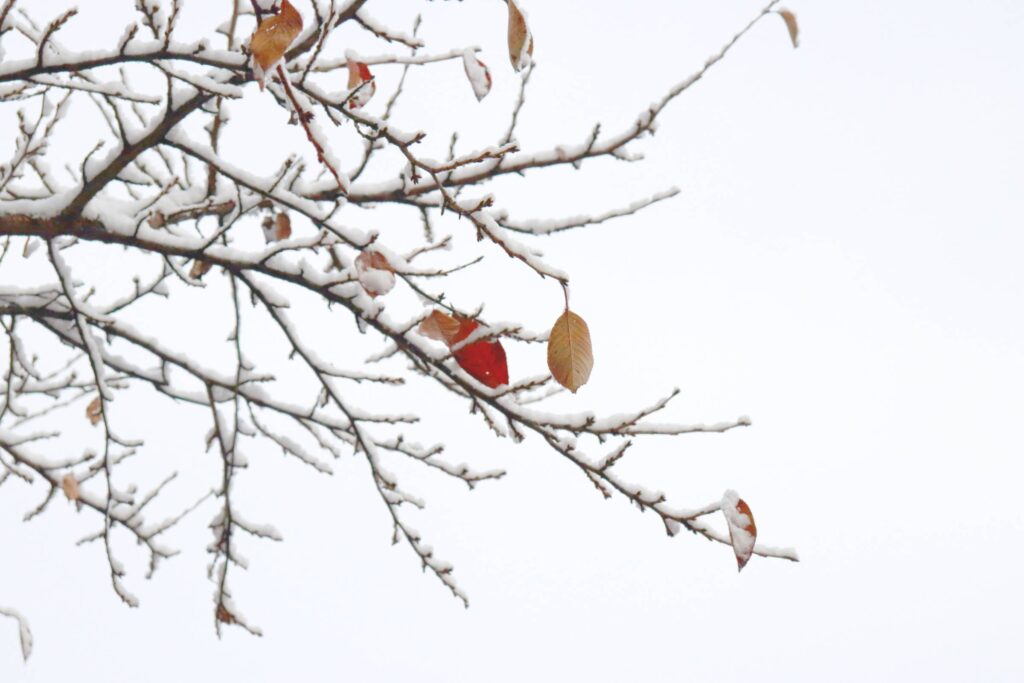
842 264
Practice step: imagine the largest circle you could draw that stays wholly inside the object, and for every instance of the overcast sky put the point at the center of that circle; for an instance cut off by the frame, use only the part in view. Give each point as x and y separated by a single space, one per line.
842 264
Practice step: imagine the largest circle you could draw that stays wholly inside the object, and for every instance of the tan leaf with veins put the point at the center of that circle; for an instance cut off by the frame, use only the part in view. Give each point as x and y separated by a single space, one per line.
520 40
273 36
570 355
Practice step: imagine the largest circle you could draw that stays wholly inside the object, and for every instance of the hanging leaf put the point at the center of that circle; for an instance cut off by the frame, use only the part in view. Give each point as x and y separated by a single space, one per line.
358 74
199 269
375 273
484 360
70 487
272 37
94 411
570 355
478 74
742 531
277 228
520 40
791 26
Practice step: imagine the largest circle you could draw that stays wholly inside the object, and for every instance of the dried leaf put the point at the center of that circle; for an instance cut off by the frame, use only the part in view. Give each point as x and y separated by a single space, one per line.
375 273
485 361
199 269
157 220
225 616
358 74
277 228
94 411
70 487
570 355
520 40
273 36
791 26
742 531
478 74
439 326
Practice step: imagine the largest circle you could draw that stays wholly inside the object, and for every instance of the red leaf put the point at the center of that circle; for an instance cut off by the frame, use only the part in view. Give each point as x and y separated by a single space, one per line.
358 74
484 360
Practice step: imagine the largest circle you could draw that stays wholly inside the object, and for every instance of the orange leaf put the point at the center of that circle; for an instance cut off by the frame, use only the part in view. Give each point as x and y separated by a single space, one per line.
570 355
742 531
520 40
375 273
70 487
358 74
791 26
94 411
273 36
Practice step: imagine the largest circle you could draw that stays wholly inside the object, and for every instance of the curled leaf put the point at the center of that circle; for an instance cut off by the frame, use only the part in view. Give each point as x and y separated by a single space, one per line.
70 487
359 76
520 40
199 269
791 26
742 531
375 273
570 355
94 411
272 38
478 74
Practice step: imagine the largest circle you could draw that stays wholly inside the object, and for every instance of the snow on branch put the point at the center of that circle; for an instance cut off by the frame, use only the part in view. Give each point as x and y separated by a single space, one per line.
302 282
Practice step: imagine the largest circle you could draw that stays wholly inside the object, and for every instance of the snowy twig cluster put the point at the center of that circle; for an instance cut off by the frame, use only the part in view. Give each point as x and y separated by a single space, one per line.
156 189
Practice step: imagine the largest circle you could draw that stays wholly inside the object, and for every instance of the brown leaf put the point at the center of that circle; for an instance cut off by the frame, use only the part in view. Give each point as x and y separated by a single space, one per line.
272 38
199 269
277 228
375 273
570 355
223 615
791 26
358 74
94 411
70 487
520 40
742 530
440 326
